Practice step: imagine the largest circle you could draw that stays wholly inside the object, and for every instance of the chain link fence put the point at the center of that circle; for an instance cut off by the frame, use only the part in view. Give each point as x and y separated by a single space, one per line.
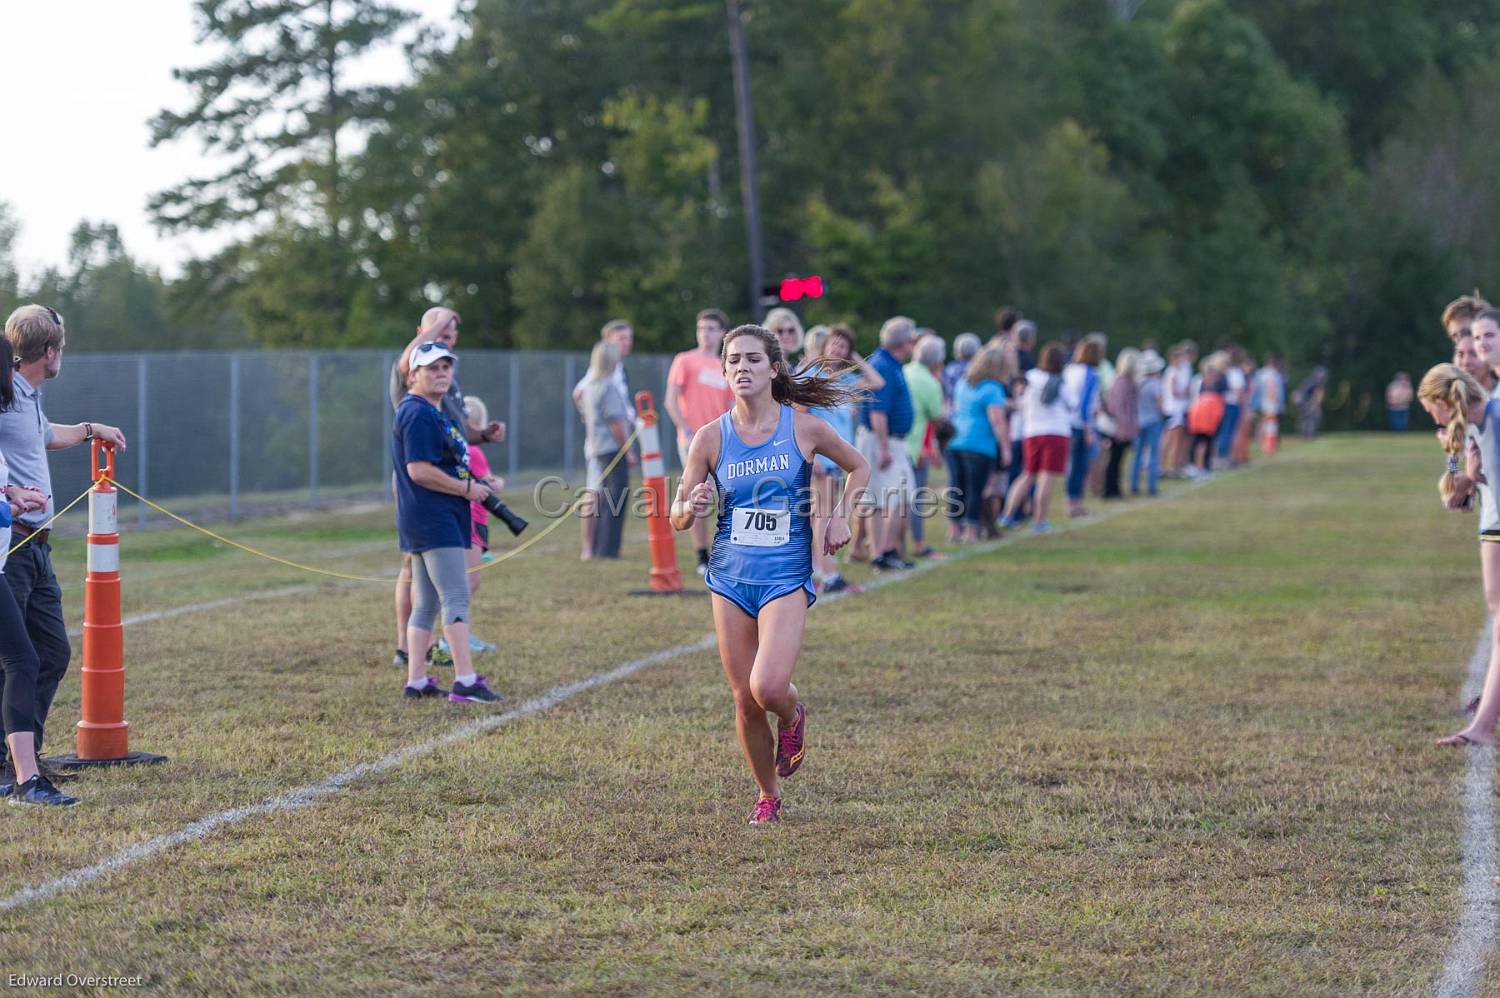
225 435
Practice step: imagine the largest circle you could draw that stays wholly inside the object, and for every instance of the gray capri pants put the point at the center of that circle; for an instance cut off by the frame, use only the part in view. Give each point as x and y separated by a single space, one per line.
439 576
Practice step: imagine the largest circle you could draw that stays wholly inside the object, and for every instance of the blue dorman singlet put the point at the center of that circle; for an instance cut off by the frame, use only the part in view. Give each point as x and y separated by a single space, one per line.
764 534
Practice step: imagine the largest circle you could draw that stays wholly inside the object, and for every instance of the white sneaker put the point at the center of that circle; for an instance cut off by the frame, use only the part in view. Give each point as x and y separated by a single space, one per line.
478 644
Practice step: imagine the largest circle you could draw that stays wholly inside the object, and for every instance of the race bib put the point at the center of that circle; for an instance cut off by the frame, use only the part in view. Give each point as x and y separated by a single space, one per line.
761 528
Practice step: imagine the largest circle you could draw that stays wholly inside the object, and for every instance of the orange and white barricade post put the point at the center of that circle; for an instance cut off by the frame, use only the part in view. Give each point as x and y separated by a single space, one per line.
103 735
665 576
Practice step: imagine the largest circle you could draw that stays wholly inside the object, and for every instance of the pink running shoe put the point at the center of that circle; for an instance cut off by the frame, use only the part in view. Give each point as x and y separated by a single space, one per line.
790 749
767 810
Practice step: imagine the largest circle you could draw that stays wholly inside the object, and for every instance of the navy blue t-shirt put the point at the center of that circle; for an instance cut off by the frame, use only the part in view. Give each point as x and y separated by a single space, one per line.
426 519
894 399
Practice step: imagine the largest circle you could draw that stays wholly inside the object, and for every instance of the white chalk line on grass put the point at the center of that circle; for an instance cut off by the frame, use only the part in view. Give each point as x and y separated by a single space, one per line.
1464 968
213 604
304 796
301 797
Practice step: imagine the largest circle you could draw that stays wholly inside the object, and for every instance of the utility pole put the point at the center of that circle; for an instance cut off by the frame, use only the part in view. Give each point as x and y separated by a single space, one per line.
745 126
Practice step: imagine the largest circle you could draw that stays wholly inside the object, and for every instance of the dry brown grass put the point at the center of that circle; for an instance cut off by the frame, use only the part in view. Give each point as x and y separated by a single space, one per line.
1186 750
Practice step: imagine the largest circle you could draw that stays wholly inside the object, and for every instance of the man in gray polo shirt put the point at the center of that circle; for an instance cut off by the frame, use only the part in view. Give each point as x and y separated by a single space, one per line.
35 336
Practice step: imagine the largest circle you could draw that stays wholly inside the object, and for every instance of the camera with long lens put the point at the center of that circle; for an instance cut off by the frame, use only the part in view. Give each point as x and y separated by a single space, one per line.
515 524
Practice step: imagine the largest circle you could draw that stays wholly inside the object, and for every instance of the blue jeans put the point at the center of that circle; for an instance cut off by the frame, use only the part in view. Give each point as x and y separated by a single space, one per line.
1227 426
1080 456
1148 441
1398 420
918 522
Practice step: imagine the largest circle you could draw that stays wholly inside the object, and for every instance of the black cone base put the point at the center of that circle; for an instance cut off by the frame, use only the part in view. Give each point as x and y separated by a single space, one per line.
71 761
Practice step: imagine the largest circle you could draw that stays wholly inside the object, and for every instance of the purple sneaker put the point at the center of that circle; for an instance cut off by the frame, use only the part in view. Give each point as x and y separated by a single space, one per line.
791 746
479 692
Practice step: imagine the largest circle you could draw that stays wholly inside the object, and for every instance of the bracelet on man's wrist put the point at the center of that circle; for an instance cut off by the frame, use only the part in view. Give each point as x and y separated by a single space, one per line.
88 431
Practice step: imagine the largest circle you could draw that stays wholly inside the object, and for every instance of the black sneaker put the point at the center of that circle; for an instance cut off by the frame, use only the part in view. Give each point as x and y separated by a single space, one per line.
400 660
7 786
39 790
479 692
837 584
432 689
891 562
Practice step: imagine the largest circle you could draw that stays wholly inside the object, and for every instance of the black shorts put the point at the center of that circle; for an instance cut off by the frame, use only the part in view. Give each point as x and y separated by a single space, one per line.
482 531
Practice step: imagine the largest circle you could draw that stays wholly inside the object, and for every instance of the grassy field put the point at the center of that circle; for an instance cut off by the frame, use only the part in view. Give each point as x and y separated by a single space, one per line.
1187 748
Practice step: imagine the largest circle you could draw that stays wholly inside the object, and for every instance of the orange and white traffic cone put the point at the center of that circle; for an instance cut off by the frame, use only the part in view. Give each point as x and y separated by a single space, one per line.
103 735
665 576
1270 435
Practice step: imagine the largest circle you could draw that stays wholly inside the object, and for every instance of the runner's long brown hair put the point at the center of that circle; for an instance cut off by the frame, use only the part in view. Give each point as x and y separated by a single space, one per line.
820 390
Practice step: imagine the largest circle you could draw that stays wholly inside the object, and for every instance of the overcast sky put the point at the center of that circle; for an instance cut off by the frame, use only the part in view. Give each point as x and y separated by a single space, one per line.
81 79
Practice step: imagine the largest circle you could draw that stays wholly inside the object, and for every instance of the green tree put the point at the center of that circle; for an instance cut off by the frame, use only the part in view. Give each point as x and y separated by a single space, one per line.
275 106
1369 57
1063 227
10 279
110 302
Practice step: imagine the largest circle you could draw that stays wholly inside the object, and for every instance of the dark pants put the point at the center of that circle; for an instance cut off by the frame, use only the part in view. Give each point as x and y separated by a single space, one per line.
971 470
1117 449
1398 420
19 664
1206 441
39 599
614 503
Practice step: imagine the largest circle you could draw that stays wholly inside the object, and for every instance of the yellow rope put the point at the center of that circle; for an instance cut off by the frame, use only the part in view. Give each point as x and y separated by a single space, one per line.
49 523
534 539
245 547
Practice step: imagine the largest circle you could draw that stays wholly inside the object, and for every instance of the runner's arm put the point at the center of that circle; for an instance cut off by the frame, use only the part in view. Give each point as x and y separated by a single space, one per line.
695 496
825 440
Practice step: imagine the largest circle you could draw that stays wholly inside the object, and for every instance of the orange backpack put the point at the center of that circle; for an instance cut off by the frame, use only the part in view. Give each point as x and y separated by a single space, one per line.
1204 417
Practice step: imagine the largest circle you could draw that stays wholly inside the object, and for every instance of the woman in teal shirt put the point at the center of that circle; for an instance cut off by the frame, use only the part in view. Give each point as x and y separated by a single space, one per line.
980 439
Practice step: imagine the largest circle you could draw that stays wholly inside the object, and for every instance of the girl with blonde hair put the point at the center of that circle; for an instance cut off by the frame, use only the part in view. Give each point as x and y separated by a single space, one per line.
607 419
1456 401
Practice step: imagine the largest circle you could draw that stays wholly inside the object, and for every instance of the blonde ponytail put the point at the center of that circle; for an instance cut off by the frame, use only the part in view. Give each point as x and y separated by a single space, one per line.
1458 391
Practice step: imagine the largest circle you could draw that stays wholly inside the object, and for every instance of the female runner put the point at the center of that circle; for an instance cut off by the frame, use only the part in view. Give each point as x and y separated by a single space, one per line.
759 456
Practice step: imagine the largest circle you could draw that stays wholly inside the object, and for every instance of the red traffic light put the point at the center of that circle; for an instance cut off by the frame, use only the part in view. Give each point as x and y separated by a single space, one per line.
797 288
